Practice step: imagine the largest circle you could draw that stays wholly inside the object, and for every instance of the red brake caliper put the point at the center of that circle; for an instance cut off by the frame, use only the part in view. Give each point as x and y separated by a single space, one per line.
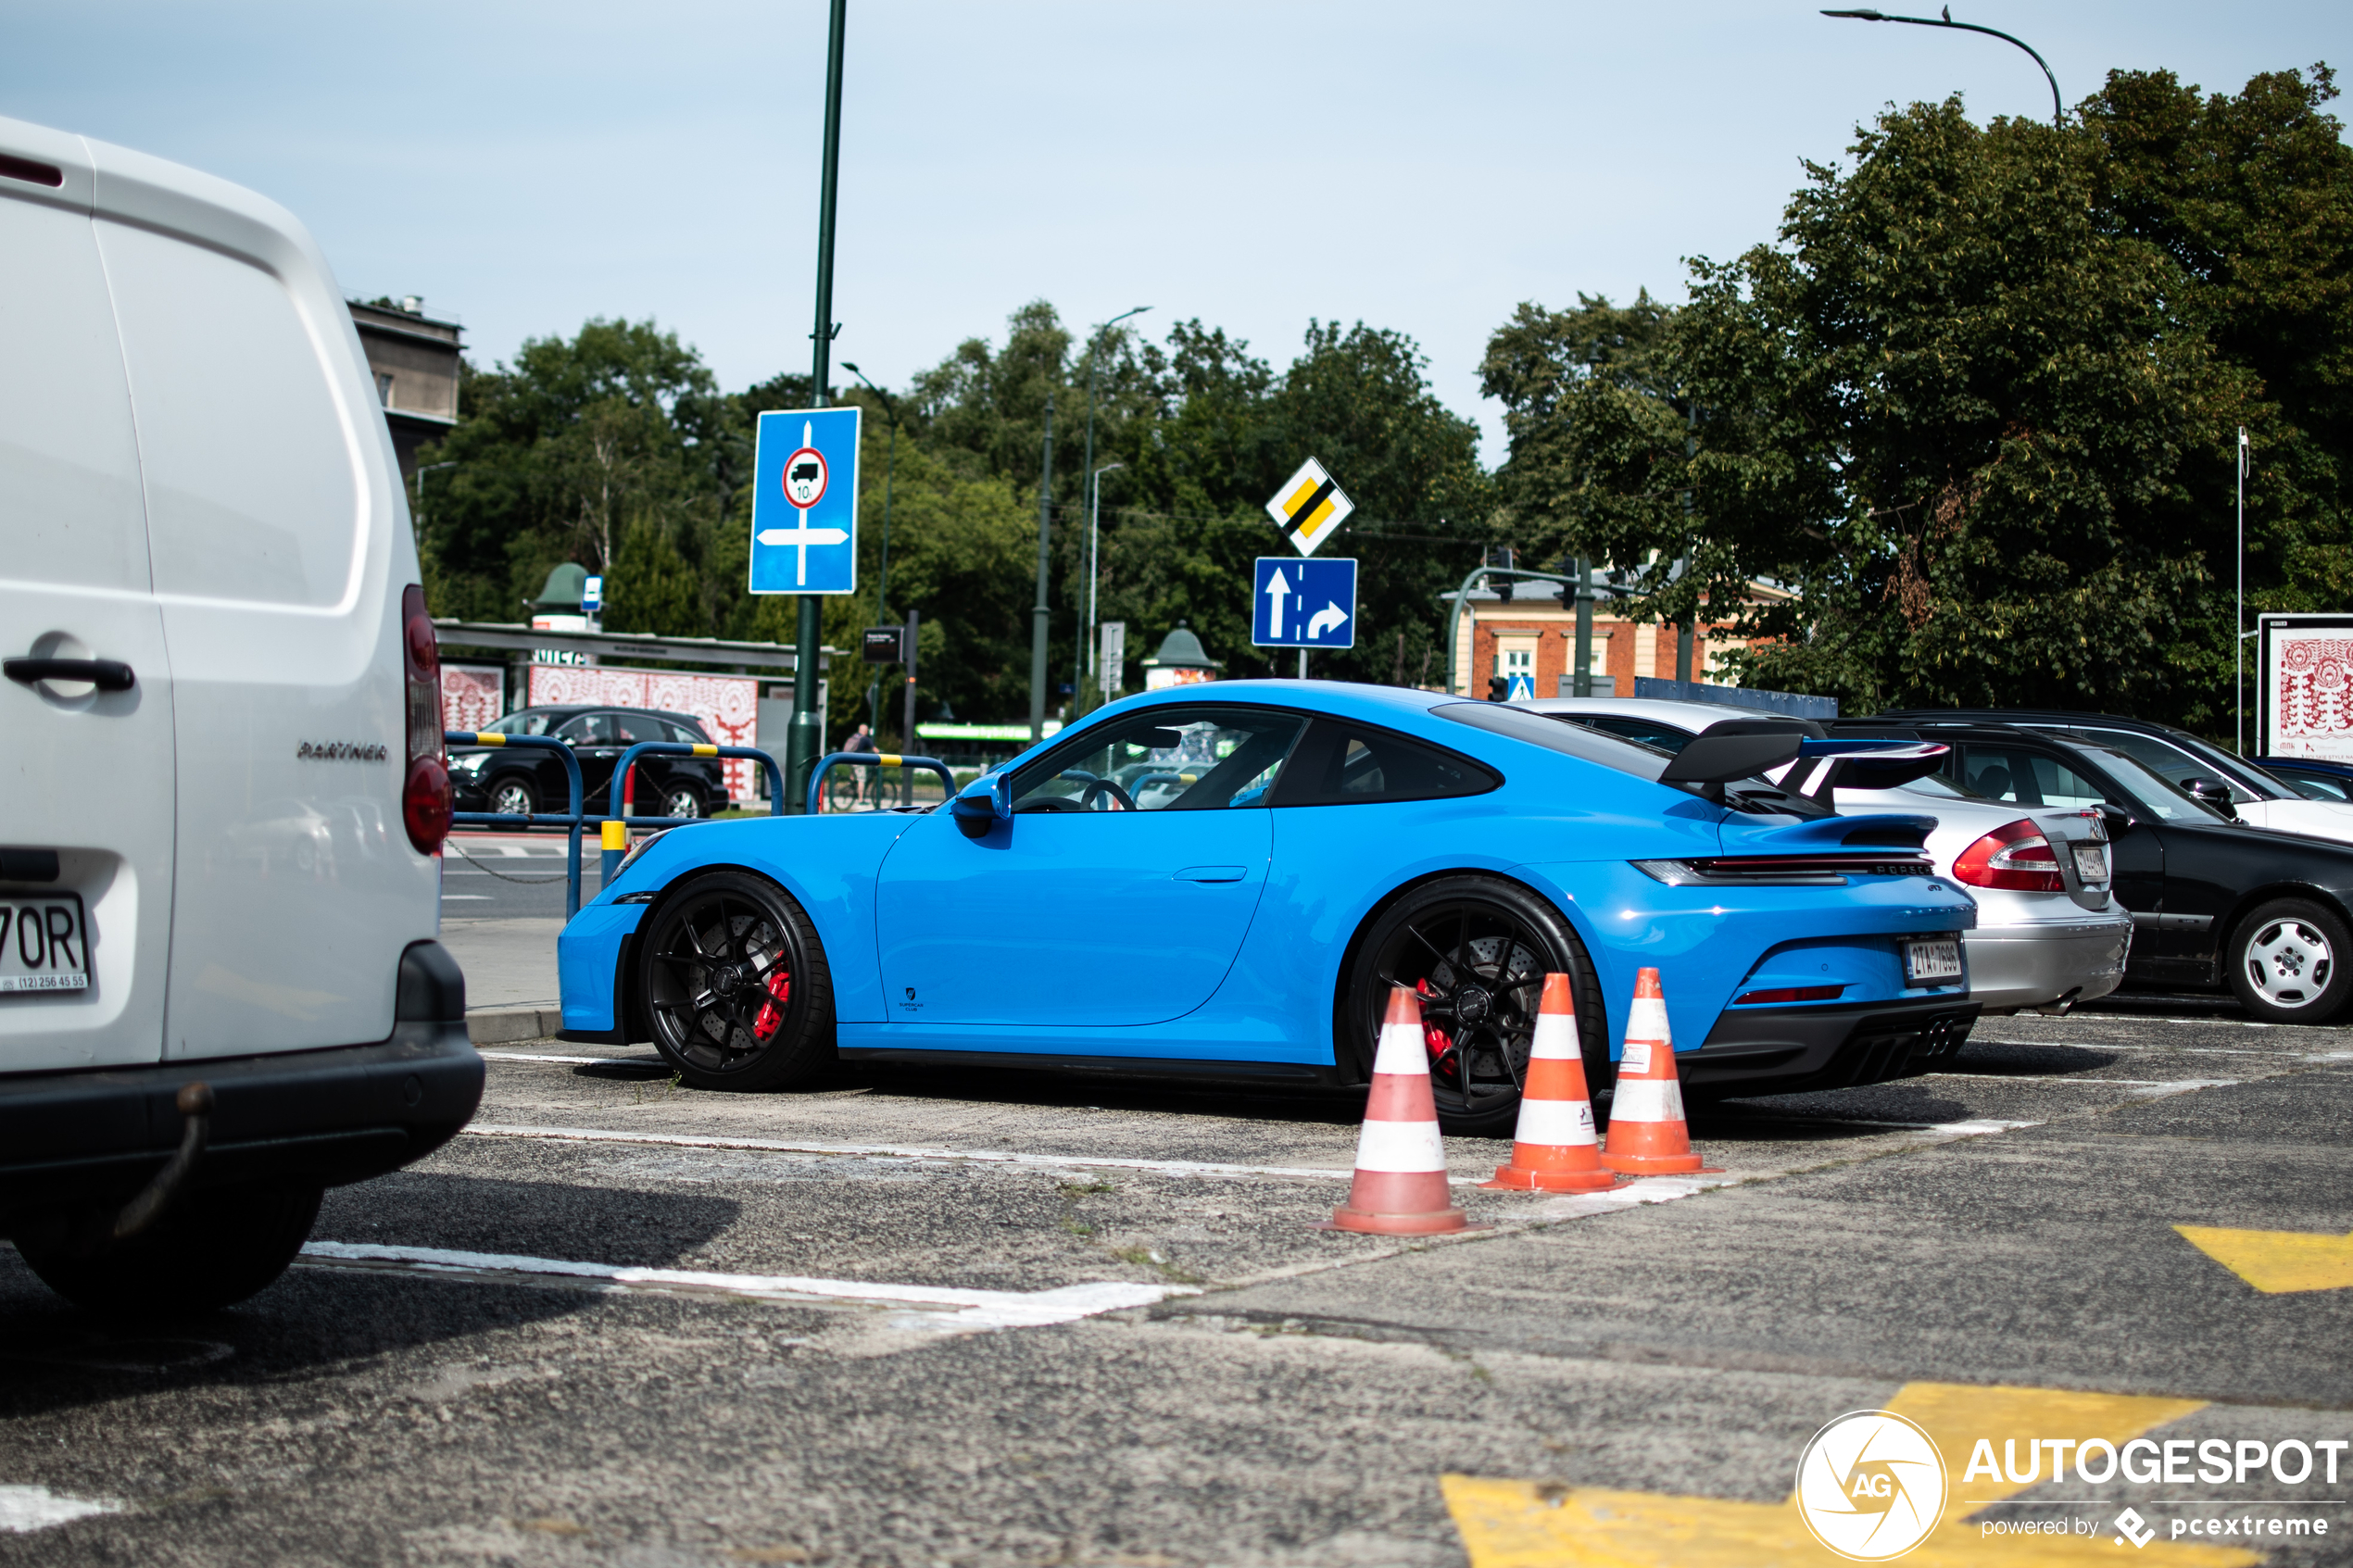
1439 1044
771 1012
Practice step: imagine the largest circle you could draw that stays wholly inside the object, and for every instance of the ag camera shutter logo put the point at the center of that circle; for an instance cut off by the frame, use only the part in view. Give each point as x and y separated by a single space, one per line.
1872 1486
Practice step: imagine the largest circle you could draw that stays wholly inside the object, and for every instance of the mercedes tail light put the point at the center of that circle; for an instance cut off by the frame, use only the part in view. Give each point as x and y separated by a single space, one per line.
424 790
2015 856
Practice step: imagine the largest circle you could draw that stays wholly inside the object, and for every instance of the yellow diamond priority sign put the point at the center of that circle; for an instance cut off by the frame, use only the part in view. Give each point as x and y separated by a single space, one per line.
1311 505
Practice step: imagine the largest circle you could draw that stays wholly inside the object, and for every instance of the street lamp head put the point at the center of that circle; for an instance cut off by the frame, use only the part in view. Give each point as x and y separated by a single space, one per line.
1864 15
853 370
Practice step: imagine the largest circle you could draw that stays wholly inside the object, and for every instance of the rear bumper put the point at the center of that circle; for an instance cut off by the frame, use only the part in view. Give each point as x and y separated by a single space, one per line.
1789 1050
331 1116
2033 965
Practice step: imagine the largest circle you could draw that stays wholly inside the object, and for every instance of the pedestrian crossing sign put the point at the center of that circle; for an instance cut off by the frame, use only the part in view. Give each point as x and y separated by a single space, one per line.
1311 504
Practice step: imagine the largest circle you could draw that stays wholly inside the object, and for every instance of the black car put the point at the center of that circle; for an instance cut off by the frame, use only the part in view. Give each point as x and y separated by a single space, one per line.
516 779
2310 777
2214 902
2192 762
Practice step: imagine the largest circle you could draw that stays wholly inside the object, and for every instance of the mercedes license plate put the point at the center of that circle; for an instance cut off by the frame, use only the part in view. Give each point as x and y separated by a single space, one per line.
2091 864
44 944
1926 963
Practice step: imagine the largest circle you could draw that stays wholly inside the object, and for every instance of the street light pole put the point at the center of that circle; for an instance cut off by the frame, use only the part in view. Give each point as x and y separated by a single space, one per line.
1094 564
1094 341
416 515
2238 619
882 585
1038 615
2058 113
804 740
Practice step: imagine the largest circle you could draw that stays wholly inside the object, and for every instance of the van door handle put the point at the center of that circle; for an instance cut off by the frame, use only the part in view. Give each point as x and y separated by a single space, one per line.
1212 873
107 674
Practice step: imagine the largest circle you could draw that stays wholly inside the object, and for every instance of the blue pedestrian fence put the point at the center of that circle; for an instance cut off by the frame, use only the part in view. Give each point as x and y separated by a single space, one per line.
871 759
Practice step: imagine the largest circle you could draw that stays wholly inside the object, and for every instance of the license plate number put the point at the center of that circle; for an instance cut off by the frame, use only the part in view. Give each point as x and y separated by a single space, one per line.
2091 864
1925 962
44 944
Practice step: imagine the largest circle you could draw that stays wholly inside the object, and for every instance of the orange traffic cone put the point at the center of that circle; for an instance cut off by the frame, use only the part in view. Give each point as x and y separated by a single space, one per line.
1400 1186
1646 1133
1554 1149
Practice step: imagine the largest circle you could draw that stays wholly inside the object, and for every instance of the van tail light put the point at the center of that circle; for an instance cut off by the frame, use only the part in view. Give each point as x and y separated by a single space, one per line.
424 790
2015 856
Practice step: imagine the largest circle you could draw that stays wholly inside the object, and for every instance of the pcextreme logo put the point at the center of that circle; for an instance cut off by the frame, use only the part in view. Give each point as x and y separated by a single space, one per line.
1870 1486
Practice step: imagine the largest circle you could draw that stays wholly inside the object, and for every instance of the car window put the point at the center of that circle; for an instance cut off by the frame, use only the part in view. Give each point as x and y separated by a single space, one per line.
2167 760
632 728
1667 737
2155 795
589 728
1163 760
1558 733
521 724
685 735
1343 763
2026 777
2314 786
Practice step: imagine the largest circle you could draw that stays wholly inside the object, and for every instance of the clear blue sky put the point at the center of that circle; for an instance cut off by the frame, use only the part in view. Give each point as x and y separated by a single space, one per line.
525 166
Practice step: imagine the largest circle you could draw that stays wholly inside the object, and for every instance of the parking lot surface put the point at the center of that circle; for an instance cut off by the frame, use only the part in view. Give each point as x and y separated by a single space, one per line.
932 1317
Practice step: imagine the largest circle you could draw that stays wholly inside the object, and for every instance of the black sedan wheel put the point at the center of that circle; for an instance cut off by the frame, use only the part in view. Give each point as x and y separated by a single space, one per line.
1476 951
681 802
2287 961
514 796
734 984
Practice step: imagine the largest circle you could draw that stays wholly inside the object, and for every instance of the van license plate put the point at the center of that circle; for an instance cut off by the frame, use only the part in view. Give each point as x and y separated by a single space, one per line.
2091 864
1928 962
44 944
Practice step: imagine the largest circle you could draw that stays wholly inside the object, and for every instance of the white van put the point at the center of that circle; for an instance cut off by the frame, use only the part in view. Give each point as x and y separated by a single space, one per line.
220 742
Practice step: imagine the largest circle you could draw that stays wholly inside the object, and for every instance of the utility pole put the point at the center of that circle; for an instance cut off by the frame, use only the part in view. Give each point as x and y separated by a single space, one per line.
1581 677
882 585
806 737
2238 619
907 775
1688 634
1038 616
1094 574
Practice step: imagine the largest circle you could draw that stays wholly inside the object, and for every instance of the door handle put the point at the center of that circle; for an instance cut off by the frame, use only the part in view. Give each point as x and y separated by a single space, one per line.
1212 873
107 674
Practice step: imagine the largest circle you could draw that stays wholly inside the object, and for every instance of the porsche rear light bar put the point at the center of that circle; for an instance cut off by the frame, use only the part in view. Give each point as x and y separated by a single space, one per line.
1782 870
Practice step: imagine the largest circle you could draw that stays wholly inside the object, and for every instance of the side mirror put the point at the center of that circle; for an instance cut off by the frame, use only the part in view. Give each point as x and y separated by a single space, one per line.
2214 793
982 804
2118 821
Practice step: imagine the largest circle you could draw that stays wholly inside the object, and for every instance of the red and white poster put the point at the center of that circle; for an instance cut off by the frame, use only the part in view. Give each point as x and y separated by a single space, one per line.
2306 673
472 695
727 705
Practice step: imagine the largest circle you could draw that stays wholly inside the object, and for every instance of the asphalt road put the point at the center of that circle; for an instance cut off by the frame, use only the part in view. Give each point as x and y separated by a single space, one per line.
915 1318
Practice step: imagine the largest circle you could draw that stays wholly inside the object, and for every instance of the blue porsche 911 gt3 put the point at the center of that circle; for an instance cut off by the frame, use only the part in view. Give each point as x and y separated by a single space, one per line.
1225 882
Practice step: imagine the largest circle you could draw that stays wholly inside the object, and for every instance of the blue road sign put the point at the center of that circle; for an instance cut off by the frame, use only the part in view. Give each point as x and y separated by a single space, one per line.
804 503
1304 603
1523 689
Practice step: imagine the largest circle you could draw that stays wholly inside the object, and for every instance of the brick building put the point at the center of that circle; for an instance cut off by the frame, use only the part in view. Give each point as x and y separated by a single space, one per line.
1534 633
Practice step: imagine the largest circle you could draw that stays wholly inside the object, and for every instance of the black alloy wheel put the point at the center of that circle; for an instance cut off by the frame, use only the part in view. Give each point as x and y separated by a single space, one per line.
514 796
1475 950
735 986
2287 961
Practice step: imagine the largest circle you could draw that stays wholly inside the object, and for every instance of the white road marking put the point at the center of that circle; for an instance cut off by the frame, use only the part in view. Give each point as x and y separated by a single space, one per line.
2106 1046
570 1060
465 898
26 1508
2172 1086
941 1309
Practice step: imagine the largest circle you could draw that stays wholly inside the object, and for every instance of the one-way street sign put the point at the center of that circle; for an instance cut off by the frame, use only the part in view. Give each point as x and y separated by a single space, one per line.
1304 603
804 502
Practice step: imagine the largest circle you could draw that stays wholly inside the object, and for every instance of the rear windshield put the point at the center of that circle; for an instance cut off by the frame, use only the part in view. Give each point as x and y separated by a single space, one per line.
1564 734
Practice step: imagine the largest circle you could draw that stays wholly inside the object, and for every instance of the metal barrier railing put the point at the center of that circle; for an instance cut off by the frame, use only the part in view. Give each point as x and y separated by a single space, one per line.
871 759
620 815
528 819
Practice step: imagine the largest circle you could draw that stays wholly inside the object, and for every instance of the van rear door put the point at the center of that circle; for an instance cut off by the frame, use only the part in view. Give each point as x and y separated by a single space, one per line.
86 835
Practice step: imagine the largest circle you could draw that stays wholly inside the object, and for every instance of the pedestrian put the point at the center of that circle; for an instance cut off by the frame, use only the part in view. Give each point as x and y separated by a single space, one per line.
861 742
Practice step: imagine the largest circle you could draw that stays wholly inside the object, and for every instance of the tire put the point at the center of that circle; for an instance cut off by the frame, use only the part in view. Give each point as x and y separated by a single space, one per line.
212 1249
2287 961
513 795
1459 932
681 802
704 981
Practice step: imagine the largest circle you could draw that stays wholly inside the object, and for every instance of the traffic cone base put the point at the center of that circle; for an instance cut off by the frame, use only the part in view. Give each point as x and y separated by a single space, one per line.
1647 1133
1400 1186
1555 1148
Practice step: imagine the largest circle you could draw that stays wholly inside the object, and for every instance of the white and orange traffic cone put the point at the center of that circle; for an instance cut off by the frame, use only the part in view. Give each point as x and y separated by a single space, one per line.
1647 1136
1554 1148
1400 1186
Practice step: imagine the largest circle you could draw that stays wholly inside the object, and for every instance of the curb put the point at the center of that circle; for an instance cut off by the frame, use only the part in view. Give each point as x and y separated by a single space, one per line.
498 1027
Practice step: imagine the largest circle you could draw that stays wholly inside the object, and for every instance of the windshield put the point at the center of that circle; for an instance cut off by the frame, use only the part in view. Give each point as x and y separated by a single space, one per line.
2152 793
1936 786
2178 762
1564 733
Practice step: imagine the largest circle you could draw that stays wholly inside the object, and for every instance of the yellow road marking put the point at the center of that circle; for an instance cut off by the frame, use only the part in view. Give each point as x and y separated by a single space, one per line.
2277 1261
1535 1525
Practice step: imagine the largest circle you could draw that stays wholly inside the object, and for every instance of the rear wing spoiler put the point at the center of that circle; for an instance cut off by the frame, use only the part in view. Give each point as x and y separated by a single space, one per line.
1816 764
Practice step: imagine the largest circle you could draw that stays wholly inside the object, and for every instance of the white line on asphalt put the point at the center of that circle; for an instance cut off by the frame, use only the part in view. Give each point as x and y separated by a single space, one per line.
2106 1046
572 1061
942 1308
26 1508
2170 1085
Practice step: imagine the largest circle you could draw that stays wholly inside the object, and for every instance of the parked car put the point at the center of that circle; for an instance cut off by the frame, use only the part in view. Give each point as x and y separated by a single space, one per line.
1334 840
2198 766
2050 935
219 990
2215 902
2310 777
514 779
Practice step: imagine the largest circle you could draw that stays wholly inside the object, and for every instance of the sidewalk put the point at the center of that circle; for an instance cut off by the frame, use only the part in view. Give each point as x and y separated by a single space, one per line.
510 976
